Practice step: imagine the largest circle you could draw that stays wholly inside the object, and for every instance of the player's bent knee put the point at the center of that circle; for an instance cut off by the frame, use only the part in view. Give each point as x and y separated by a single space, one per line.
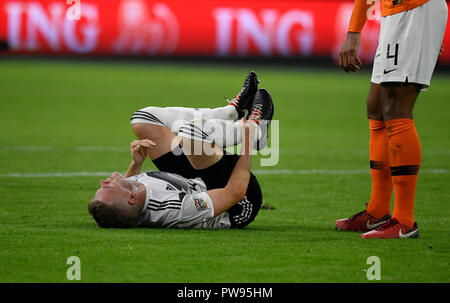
156 133
151 115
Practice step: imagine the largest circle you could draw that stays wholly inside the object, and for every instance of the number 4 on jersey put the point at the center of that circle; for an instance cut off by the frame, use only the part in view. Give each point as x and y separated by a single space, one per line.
395 55
392 56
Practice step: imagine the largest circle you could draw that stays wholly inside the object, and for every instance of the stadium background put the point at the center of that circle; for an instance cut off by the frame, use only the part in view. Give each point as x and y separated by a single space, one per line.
180 28
68 87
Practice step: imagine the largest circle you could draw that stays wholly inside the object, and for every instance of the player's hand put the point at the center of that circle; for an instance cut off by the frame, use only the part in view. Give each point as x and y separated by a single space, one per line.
348 56
138 149
442 50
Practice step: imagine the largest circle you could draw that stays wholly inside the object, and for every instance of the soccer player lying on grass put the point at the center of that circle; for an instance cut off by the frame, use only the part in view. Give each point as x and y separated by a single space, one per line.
211 189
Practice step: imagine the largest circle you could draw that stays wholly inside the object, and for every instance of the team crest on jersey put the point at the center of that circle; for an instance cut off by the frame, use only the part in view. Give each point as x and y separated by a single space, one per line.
200 203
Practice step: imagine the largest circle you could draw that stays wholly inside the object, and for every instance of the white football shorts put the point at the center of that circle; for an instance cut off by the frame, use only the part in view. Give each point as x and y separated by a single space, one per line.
409 44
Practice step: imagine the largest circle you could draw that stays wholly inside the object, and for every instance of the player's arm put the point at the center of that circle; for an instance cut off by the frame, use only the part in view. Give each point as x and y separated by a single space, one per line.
138 151
348 56
236 188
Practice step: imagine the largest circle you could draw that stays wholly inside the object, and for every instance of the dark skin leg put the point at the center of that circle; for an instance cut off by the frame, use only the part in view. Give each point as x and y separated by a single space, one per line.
391 101
374 109
398 99
384 103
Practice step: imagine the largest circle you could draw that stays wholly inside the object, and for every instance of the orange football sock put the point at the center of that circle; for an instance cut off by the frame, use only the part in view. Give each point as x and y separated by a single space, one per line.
404 158
380 199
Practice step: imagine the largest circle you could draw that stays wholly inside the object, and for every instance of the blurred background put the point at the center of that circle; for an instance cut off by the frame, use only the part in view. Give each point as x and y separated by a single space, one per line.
306 31
72 72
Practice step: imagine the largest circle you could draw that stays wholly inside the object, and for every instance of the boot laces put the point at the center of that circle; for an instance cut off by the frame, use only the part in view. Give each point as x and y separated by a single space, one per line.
358 214
256 112
389 223
235 100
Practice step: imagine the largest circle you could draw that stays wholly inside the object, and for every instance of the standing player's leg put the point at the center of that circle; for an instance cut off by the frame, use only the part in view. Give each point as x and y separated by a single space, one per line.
378 209
408 64
380 198
404 152
404 147
402 66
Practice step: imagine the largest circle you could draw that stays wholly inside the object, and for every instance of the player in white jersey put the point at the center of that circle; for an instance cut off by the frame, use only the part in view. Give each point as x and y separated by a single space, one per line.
191 190
174 201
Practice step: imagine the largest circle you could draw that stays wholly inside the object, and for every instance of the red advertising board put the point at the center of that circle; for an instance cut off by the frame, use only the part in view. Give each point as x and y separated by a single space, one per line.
186 28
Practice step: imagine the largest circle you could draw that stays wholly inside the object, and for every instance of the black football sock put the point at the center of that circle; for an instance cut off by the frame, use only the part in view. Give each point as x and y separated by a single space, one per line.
177 163
218 174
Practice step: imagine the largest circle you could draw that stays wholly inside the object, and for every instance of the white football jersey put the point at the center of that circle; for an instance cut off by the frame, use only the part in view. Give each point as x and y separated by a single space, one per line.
173 201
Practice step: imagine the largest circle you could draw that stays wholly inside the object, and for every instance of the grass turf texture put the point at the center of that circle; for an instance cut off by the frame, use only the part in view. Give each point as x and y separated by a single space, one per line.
73 117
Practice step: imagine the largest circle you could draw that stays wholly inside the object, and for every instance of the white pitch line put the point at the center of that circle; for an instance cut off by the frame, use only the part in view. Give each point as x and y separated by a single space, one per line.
282 151
331 171
256 172
27 148
55 175
102 148
309 171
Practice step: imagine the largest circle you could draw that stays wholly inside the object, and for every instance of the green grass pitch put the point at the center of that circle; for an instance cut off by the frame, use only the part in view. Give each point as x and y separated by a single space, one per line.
59 118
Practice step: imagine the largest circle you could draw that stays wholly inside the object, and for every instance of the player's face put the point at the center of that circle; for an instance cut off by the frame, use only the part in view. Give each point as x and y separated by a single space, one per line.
115 188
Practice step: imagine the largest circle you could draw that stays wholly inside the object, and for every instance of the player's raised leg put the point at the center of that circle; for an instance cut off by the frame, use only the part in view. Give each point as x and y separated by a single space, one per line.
161 125
155 123
216 167
226 133
243 101
205 150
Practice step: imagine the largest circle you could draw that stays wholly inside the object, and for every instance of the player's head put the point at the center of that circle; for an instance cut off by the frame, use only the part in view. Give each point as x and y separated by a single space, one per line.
114 203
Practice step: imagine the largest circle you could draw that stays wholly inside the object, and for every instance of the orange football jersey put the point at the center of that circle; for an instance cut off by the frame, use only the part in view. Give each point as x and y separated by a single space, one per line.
391 7
388 7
